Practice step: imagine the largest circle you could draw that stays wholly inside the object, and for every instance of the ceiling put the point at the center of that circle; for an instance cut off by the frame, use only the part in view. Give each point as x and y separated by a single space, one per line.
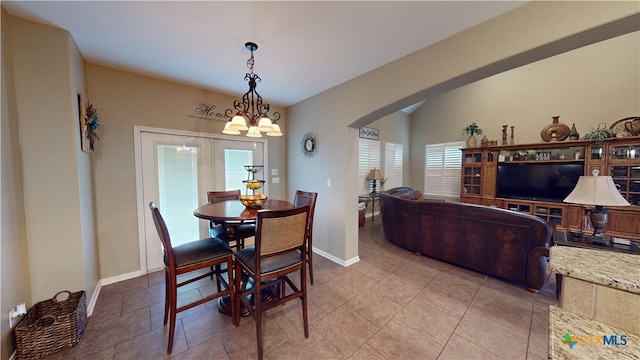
304 47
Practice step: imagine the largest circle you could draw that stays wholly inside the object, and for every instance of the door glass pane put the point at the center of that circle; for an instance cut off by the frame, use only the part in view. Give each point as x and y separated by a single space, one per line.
234 171
178 191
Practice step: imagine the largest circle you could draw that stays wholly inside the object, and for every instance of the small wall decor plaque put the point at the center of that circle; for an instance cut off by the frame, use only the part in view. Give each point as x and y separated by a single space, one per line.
89 123
369 133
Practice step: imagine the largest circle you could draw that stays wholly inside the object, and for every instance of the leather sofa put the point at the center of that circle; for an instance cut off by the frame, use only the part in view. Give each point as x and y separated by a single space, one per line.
504 244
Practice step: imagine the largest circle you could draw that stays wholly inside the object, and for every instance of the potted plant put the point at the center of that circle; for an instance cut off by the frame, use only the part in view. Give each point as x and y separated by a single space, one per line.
599 134
471 130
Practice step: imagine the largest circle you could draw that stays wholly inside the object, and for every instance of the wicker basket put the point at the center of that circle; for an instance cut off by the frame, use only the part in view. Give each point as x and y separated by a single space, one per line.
51 325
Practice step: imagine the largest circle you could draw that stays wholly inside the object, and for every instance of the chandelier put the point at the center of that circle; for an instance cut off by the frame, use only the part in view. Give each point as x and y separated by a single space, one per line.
250 113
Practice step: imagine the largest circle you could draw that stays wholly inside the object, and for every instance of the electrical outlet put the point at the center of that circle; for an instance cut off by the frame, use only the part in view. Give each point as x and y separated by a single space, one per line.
274 172
15 313
12 320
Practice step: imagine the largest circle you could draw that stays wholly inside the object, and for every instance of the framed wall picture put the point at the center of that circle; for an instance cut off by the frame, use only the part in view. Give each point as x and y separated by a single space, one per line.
369 133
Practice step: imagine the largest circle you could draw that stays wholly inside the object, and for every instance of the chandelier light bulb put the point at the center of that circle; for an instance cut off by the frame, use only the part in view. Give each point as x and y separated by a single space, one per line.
254 132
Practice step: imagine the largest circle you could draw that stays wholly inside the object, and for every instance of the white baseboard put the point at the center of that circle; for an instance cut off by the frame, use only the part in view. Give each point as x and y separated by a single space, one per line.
94 298
118 278
112 280
335 259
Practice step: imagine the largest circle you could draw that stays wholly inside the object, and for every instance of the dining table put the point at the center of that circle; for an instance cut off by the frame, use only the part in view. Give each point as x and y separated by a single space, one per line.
234 210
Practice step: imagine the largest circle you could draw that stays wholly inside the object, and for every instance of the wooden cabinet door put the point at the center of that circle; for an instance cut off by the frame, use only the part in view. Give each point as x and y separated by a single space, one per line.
574 217
490 167
472 173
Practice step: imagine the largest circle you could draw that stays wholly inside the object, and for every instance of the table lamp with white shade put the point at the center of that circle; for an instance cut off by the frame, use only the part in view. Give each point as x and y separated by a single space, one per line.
598 191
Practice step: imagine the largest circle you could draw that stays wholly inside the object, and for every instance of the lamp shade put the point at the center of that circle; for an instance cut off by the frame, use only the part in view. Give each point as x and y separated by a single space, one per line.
253 132
596 190
228 129
275 130
238 123
374 174
264 125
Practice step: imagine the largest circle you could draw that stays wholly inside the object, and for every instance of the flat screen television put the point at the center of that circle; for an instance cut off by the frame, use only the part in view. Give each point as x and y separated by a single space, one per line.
537 181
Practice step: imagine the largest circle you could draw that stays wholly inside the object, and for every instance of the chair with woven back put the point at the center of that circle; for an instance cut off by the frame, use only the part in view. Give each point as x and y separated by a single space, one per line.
279 251
191 258
308 198
233 232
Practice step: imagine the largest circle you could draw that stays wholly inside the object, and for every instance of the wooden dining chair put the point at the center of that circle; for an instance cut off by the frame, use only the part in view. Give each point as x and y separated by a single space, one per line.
232 232
279 251
186 259
308 198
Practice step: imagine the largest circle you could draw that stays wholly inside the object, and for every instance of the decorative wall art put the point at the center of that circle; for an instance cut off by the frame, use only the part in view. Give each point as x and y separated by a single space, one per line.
629 126
89 123
369 133
309 145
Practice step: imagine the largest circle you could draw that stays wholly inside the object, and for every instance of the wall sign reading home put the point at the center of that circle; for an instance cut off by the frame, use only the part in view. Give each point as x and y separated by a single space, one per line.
208 112
369 133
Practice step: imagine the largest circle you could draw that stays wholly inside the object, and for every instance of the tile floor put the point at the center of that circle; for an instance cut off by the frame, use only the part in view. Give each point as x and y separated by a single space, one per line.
390 305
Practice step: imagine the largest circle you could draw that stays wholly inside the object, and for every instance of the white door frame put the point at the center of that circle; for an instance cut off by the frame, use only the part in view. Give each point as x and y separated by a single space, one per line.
141 207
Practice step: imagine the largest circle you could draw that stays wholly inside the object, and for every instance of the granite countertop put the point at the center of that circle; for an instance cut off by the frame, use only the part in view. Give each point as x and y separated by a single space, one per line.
616 270
588 335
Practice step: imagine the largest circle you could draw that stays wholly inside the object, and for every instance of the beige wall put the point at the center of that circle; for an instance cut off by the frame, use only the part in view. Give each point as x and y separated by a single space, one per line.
126 100
394 128
55 202
599 83
14 264
527 34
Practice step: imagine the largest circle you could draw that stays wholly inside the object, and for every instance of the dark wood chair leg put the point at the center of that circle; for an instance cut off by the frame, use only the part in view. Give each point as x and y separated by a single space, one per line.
257 295
311 268
236 299
167 294
303 285
172 321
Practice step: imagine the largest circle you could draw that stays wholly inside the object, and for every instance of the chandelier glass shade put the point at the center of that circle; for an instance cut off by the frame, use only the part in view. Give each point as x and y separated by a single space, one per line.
251 114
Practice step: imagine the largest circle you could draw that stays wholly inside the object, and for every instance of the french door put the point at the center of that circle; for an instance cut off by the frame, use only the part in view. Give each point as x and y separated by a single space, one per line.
176 171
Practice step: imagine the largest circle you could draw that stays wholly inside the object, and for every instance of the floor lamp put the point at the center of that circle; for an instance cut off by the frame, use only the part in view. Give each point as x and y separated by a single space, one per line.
374 175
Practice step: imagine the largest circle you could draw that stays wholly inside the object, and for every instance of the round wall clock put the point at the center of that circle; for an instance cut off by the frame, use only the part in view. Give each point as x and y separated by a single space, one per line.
309 146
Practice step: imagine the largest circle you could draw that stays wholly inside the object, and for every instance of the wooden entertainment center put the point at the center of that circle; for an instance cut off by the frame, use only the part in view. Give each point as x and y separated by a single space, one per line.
616 157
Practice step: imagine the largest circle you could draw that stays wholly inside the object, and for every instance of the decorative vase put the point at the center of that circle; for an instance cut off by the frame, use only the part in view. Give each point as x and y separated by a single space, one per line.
573 133
484 142
472 142
555 131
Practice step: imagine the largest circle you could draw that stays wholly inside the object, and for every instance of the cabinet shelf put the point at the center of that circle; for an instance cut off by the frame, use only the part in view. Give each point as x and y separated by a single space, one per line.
541 161
615 157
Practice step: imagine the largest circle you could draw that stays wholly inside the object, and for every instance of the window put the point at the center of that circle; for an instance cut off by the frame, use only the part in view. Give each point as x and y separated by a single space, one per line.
178 190
392 165
442 169
368 158
233 175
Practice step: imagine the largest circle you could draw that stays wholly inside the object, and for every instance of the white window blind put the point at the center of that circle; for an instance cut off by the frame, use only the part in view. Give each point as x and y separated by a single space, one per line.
178 190
392 165
442 169
368 158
